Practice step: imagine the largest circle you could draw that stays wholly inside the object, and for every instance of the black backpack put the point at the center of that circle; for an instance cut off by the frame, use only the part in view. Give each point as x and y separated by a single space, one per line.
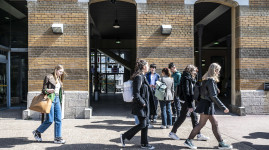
179 93
197 91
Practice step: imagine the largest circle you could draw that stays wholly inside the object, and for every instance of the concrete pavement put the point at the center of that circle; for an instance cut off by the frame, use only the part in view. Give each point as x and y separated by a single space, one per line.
102 132
111 117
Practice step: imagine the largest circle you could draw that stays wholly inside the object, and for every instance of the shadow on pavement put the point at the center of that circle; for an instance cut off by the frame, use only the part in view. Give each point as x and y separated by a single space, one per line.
106 127
159 145
257 135
110 122
88 146
258 147
12 142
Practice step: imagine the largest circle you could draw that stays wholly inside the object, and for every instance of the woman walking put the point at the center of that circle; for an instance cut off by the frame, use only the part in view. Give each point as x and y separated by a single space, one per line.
187 83
53 87
166 102
142 103
209 96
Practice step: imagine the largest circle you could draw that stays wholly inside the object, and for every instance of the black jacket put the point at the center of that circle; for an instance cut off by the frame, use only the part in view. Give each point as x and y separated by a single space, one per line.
142 95
209 91
187 88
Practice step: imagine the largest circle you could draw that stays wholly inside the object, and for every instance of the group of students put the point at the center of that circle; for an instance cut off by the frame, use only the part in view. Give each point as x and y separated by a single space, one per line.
145 103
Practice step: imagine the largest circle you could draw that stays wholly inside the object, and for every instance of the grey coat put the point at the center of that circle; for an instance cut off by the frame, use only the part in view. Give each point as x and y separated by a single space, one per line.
170 87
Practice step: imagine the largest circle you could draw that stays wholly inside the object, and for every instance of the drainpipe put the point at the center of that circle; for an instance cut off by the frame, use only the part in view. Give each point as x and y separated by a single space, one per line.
8 80
200 35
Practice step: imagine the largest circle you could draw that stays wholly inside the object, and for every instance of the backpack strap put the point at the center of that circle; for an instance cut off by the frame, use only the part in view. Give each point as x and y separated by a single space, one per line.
165 89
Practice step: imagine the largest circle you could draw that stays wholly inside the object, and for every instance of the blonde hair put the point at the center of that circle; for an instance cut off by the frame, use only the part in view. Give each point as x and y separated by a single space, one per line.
211 73
58 67
190 68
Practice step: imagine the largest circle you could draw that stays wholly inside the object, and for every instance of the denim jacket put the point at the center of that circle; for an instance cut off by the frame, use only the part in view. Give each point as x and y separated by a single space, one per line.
148 76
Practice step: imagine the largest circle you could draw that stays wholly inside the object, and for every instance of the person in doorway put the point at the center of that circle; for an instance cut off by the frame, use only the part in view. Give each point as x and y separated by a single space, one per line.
187 83
166 102
53 87
143 105
152 77
176 107
209 96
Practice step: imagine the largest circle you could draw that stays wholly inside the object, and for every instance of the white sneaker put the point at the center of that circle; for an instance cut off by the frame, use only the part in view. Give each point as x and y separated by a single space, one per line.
173 136
163 127
201 137
150 126
59 140
168 127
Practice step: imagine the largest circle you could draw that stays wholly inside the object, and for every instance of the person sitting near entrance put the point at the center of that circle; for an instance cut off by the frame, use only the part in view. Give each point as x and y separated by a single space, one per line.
152 77
206 109
53 87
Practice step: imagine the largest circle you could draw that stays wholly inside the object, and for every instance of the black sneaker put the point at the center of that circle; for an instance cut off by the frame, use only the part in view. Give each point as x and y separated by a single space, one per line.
37 136
147 146
222 145
59 140
189 144
122 140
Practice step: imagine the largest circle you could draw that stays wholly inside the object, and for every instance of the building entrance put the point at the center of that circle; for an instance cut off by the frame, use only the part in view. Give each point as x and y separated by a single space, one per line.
213 43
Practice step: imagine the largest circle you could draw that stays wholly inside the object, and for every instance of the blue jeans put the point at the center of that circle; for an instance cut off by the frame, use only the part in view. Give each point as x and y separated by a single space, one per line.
54 115
136 120
166 113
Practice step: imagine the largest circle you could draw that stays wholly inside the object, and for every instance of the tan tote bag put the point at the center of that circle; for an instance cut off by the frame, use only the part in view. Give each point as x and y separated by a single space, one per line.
41 103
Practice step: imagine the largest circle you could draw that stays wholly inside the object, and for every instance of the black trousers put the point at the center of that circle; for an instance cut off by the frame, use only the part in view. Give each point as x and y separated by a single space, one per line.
182 117
176 106
143 126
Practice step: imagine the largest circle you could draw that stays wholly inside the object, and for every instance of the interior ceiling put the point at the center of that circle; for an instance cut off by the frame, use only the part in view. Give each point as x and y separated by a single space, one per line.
14 23
104 14
215 30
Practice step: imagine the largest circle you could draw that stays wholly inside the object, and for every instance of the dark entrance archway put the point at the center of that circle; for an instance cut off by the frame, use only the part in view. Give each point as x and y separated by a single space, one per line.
212 42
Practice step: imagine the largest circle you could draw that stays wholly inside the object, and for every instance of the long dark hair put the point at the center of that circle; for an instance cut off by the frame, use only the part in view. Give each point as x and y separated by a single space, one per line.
139 68
167 72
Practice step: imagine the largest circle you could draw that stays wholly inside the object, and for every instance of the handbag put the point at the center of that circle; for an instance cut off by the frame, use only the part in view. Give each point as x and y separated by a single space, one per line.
41 103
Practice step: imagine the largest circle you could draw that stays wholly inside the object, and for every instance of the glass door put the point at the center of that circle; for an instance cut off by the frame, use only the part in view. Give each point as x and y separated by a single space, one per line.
3 86
111 86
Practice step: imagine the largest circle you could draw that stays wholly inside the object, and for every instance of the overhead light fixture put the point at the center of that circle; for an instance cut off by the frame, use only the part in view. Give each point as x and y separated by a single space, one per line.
216 43
116 24
118 41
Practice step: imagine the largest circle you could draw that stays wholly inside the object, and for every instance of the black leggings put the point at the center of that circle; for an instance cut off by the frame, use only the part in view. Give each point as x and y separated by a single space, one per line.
181 118
201 124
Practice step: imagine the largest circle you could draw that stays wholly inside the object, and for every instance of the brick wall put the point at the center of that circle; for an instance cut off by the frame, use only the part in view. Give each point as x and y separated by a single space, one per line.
70 49
252 47
259 2
47 49
252 56
163 49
